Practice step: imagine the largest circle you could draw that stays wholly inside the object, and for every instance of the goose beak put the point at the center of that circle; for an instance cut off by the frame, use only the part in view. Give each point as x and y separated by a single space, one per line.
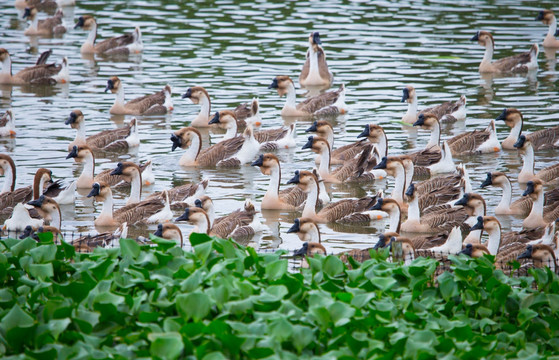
302 251
95 189
73 153
475 37
184 216
378 204
187 94
503 115
380 243
467 250
316 38
215 119
38 202
274 84
519 144
463 201
405 95
159 231
198 203
365 132
410 190
478 225
420 120
259 161
312 128
308 145
529 188
27 13
177 142
295 227
488 181
526 254
80 22
110 85
382 164
540 16
295 179
117 170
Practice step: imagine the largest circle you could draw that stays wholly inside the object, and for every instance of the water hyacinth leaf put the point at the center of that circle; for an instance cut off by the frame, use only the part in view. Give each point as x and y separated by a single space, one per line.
281 329
333 265
43 253
197 239
129 247
41 271
383 283
46 237
525 315
276 269
194 306
166 345
24 245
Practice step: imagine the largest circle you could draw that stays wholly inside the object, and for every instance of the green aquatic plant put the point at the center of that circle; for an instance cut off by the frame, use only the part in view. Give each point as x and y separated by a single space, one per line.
224 301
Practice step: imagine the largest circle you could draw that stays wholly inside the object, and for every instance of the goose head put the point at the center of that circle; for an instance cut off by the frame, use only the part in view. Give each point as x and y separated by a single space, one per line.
100 191
473 203
484 38
321 128
306 229
511 117
408 250
386 205
410 192
75 119
196 94
30 13
113 84
489 224
4 54
427 121
546 17
542 255
195 216
127 169
225 119
310 249
317 144
205 203
45 204
390 164
314 41
384 240
86 22
375 133
80 153
495 178
475 251
408 94
184 137
267 162
283 84
533 189
305 180
169 231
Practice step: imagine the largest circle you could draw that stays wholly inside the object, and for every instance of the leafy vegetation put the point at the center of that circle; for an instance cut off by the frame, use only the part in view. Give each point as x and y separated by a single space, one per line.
225 301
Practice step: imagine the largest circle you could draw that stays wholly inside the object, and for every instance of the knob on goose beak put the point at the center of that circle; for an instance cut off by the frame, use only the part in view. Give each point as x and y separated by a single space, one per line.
295 227
378 204
274 84
259 161
71 119
405 95
420 120
467 250
519 144
312 128
38 202
27 12
410 190
381 242
302 251
184 216
503 115
463 200
382 164
198 203
295 179
475 37
159 231
110 85
529 188
73 153
177 142
540 16
526 254
478 225
308 145
488 181
95 190
80 23
215 119
187 94
118 169
365 132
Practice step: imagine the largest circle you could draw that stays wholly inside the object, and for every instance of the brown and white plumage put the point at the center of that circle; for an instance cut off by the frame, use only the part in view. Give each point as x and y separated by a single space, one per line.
182 192
10 196
154 104
315 71
548 18
340 154
547 138
449 111
39 74
541 255
45 27
547 174
519 63
120 45
328 103
170 232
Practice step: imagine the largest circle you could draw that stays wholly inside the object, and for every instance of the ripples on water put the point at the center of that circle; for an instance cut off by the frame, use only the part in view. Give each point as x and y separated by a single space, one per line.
234 49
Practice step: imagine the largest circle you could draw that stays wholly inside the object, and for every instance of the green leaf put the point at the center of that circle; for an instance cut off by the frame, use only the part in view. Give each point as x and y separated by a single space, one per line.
383 283
41 271
281 329
302 336
166 345
276 269
44 253
129 247
197 239
526 314
333 265
24 245
15 318
194 306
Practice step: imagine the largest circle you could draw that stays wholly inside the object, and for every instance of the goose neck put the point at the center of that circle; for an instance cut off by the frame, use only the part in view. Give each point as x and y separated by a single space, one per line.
552 28
312 198
413 209
135 188
488 55
398 191
9 180
275 179
395 219
494 241
528 166
92 35
290 97
435 138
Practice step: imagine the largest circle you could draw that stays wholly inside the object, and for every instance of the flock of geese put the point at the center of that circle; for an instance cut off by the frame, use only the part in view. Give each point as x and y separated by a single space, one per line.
432 210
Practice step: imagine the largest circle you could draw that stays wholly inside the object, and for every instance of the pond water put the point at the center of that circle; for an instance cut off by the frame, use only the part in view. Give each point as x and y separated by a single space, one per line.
234 49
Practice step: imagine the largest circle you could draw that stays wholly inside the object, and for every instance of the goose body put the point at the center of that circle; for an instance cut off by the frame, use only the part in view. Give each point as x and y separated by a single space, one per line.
155 104
541 255
449 111
40 73
274 199
20 219
170 231
547 174
120 45
520 207
7 126
107 140
315 71
520 63
10 196
244 113
473 142
49 6
548 18
538 215
47 27
340 155
547 138
328 103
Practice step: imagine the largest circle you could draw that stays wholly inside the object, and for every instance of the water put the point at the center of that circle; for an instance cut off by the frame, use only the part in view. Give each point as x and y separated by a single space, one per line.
234 49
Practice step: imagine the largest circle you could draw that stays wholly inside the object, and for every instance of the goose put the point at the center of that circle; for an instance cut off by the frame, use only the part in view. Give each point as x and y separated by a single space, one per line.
49 6
315 71
49 210
121 45
46 27
107 140
520 63
475 250
269 139
170 231
274 199
306 229
541 255
548 174
7 126
83 154
540 139
155 104
190 139
328 103
473 142
376 135
131 214
232 226
394 167
452 245
346 210
520 207
444 165
40 73
354 170
10 196
244 113
434 222
548 18
447 112
538 216
309 250
339 155
29 232
475 206
164 214
20 219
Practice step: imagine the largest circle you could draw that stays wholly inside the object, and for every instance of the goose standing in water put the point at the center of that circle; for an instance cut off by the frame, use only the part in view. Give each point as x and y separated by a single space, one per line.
328 103
46 27
40 73
541 255
120 45
315 71
107 140
244 113
447 112
155 104
520 63
548 18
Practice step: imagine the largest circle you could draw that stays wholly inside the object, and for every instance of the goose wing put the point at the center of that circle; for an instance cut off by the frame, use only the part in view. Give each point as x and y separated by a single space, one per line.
445 220
323 66
270 134
426 157
220 151
225 225
438 197
522 236
10 199
516 63
50 23
524 204
468 143
545 138
293 196
243 111
135 213
305 70
4 119
349 151
445 108
437 183
142 104
320 101
549 173
343 208
355 167
114 43
39 74
106 137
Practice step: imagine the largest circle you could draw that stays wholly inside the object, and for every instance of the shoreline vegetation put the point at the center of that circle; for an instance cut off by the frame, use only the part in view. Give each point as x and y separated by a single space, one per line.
225 301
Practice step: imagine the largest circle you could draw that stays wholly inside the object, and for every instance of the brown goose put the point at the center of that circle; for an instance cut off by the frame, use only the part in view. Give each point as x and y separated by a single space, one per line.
315 71
108 140
449 111
541 255
520 63
328 103
7 126
539 216
10 196
48 6
120 45
540 139
40 73
170 232
548 18
547 174
47 27
155 104
341 154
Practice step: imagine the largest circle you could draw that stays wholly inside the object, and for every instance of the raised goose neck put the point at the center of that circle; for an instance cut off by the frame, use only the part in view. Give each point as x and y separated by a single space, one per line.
536 214
290 97
505 202
398 191
312 198
528 166
38 185
119 100
92 36
488 55
494 241
413 210
435 138
135 188
412 108
324 169
193 151
395 220
88 171
9 179
273 187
